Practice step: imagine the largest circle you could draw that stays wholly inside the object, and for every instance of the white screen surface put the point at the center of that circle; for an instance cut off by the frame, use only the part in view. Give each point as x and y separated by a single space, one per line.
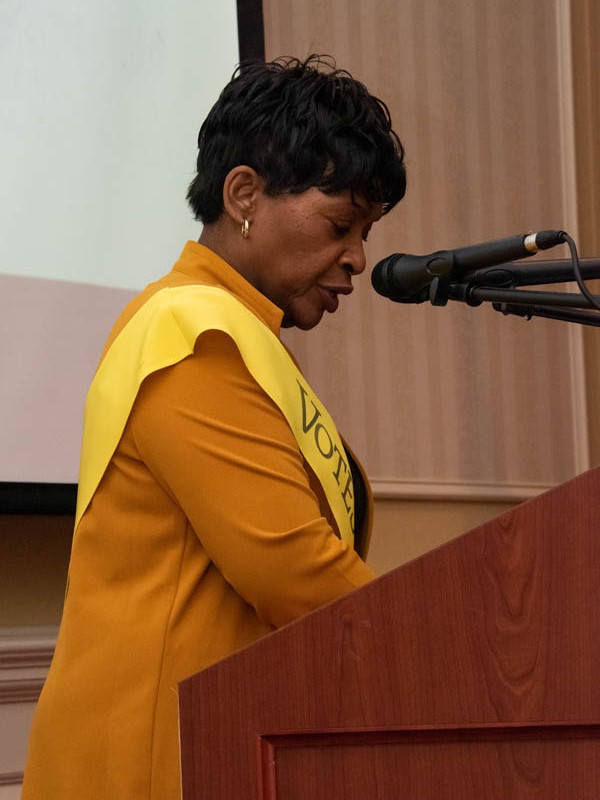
101 106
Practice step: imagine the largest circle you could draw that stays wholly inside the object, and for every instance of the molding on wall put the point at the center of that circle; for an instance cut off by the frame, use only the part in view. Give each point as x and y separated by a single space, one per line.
11 778
391 489
25 656
567 121
581 442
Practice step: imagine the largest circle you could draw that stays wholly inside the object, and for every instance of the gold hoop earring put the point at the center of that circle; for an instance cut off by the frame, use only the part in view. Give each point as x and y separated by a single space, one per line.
245 228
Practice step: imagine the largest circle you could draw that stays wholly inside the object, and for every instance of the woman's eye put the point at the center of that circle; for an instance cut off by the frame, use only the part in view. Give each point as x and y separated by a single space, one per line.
340 229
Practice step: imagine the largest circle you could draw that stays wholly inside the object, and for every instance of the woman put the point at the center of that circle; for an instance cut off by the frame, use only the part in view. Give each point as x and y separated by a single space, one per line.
216 500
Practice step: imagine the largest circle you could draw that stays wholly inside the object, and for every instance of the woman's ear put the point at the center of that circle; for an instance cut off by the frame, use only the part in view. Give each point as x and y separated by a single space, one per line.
242 187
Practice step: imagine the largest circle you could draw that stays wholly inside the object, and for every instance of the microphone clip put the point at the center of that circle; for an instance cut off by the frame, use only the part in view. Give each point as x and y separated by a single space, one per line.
440 290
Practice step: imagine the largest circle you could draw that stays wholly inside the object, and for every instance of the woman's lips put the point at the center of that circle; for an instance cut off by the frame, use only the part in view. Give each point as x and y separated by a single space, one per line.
330 298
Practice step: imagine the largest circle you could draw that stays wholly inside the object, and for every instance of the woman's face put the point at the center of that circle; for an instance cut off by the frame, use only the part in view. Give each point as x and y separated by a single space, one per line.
305 248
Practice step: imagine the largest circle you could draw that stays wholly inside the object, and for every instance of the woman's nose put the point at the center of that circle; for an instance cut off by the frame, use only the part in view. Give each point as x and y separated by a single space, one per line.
355 260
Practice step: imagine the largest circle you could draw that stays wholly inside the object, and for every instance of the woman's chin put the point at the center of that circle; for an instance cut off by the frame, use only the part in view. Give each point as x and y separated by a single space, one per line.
302 321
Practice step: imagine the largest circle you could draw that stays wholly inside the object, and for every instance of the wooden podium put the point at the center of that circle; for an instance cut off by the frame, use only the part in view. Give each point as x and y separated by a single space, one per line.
471 672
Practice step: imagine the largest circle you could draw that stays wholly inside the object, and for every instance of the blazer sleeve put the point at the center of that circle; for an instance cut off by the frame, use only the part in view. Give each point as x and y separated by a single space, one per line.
224 452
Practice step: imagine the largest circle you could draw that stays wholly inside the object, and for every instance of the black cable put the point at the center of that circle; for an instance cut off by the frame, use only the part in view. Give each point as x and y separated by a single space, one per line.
577 272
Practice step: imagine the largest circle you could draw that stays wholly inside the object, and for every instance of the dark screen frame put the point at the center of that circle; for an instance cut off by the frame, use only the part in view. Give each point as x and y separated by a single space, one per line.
251 29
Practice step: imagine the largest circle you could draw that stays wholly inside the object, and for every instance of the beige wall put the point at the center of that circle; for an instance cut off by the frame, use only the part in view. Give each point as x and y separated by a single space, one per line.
480 95
406 529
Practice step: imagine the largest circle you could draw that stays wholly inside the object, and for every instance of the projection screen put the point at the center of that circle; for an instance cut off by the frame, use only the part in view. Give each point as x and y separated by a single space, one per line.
101 106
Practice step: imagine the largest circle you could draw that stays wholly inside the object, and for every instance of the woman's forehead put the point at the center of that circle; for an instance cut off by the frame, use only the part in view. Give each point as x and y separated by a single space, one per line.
355 202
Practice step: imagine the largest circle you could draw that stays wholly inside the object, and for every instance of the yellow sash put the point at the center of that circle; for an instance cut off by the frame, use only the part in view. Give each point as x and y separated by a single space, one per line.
164 331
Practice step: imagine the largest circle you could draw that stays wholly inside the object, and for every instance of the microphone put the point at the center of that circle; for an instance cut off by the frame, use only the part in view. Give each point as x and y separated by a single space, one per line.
406 279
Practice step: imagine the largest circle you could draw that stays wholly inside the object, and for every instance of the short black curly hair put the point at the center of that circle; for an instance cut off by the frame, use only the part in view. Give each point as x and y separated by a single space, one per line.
298 124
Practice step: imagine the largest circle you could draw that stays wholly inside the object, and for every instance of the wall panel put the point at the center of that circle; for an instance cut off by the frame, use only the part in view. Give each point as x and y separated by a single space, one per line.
453 401
585 23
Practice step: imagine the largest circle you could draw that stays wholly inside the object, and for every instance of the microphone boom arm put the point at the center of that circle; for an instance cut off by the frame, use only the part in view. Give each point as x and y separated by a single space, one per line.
476 295
581 317
526 303
534 274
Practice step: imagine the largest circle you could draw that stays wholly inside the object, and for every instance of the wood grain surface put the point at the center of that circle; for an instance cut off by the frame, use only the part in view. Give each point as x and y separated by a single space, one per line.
470 672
